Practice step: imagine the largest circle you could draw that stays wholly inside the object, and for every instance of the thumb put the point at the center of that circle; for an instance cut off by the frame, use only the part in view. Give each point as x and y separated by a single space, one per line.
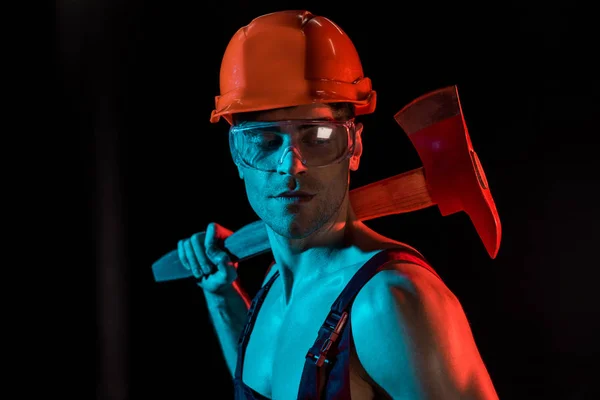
227 268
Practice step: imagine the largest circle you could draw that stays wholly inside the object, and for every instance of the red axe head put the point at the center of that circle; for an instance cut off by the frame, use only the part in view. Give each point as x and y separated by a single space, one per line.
455 178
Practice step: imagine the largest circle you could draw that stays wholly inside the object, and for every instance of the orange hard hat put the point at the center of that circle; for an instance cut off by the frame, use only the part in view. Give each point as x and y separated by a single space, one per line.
290 58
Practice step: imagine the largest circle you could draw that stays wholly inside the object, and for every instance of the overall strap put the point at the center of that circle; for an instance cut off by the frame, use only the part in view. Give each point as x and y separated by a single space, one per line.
321 356
371 267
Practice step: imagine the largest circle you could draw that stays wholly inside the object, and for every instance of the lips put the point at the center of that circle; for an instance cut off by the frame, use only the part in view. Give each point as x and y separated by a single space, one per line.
294 193
295 196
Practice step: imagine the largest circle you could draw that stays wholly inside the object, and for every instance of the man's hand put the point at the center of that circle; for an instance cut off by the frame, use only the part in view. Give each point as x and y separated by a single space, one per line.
203 254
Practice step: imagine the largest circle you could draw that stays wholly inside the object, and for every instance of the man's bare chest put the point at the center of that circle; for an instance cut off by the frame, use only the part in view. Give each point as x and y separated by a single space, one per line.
283 334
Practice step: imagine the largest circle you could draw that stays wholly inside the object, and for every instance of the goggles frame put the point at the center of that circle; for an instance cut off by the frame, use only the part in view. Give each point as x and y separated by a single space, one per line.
349 125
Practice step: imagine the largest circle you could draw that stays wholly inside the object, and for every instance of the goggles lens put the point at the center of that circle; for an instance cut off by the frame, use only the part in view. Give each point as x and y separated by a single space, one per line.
264 145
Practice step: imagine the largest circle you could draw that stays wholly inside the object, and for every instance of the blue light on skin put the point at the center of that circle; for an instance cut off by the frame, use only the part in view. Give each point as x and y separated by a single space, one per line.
295 226
410 333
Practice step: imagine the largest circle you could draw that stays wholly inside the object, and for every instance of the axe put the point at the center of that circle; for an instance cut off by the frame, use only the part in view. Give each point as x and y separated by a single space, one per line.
451 178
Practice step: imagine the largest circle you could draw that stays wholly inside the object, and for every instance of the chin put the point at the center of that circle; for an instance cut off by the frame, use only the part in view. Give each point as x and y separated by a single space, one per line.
297 222
292 228
296 231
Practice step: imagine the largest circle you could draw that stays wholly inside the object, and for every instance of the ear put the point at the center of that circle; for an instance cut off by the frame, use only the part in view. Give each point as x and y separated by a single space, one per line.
358 148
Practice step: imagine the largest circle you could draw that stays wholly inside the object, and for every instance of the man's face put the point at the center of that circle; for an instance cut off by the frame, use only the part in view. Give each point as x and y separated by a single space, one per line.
296 200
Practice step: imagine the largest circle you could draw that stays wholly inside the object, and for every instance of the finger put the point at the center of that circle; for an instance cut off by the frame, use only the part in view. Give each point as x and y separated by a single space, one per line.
215 236
213 241
192 260
181 253
197 243
219 232
226 267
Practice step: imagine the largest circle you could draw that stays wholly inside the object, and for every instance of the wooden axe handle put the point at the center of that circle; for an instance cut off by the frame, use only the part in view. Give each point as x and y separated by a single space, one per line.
398 194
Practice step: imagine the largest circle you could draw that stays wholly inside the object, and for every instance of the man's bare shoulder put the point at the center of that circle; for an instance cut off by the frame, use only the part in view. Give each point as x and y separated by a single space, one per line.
409 328
408 288
414 275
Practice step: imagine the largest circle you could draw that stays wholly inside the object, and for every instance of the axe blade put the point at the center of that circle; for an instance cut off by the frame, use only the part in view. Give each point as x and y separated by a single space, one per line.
455 178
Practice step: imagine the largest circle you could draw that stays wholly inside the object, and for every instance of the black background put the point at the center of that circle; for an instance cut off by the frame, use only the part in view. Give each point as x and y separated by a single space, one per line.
141 79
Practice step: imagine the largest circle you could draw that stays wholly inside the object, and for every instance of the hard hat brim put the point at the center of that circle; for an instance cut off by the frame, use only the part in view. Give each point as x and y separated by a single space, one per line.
238 101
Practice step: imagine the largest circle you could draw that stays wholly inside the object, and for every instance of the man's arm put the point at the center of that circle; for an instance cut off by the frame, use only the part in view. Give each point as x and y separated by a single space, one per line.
228 312
413 339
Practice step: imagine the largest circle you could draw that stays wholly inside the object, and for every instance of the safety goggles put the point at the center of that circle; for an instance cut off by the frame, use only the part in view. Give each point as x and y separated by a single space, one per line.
316 143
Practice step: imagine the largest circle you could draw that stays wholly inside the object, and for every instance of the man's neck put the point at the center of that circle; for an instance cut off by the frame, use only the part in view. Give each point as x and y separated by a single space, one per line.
306 260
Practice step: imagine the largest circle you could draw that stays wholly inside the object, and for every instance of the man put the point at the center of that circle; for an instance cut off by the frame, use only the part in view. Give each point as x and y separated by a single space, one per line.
343 311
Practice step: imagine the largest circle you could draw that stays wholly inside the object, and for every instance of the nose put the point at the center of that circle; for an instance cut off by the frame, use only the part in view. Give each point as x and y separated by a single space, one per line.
290 162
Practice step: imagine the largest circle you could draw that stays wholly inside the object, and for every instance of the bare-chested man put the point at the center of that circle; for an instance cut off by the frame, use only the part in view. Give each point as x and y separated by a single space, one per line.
343 313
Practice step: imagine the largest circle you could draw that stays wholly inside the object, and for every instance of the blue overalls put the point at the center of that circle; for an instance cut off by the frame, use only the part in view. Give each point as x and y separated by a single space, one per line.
326 369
